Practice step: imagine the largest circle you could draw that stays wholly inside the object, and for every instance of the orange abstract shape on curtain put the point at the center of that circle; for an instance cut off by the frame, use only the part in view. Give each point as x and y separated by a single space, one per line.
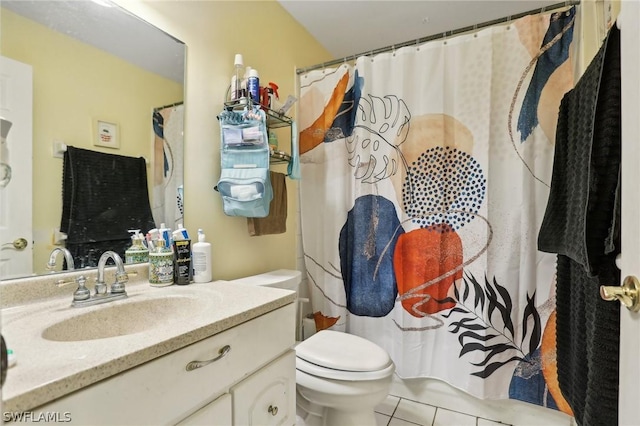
550 365
323 322
424 255
313 135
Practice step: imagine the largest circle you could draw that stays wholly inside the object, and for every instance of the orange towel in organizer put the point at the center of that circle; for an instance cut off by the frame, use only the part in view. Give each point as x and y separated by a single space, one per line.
276 221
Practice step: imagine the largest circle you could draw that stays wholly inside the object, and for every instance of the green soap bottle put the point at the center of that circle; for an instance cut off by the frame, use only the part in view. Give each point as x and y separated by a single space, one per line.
138 252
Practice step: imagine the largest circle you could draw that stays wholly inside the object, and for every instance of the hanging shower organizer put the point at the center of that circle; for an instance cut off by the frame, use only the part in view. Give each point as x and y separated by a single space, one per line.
246 157
274 120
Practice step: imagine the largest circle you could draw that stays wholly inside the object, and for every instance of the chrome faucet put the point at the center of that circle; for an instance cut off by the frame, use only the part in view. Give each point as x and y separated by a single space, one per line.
121 276
83 297
67 256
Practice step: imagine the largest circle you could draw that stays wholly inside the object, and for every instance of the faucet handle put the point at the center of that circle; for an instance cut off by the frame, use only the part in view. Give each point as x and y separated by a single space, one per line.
62 283
82 292
121 280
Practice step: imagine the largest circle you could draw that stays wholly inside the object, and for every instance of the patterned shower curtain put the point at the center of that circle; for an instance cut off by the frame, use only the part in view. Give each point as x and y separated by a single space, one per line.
168 171
425 177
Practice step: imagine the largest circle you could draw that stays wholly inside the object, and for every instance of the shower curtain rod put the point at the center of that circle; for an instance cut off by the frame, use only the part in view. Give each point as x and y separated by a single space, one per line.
168 106
440 35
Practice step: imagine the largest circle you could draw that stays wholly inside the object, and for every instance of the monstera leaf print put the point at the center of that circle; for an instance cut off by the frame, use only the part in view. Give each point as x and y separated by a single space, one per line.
381 126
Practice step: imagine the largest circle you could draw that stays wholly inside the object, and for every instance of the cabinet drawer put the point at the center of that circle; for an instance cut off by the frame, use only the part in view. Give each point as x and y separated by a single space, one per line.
268 397
162 391
215 413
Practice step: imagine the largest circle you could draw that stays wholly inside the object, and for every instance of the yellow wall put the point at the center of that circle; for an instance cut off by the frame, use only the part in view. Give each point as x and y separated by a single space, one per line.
74 83
594 17
272 42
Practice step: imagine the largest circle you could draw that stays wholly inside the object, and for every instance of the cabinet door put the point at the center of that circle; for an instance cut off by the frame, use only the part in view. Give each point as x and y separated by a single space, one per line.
267 397
215 413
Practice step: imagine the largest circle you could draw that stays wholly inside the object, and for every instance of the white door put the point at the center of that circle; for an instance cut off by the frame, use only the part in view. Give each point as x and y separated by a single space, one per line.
16 106
630 260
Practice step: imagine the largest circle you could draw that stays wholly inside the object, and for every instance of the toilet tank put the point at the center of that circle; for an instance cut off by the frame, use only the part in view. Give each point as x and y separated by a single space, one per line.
287 279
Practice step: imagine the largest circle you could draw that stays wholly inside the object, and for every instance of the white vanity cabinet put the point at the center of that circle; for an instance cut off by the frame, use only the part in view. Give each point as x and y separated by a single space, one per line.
268 396
252 368
217 412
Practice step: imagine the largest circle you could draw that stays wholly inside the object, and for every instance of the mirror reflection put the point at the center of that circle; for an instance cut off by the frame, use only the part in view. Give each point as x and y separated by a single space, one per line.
103 84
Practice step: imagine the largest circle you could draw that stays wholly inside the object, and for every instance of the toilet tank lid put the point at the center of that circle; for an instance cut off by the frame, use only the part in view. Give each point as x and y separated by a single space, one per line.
281 278
343 351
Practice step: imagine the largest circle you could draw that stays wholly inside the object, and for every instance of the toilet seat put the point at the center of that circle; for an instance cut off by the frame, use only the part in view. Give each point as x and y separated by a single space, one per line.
341 356
348 376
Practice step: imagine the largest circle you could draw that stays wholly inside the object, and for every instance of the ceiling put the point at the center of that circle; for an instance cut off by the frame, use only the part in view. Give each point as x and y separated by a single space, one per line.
349 27
109 28
344 27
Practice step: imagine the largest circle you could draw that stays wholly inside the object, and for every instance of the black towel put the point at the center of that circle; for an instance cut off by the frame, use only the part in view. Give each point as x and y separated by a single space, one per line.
581 224
103 196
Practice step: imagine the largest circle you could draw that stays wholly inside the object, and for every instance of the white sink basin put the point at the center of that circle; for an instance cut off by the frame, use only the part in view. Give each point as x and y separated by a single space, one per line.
124 318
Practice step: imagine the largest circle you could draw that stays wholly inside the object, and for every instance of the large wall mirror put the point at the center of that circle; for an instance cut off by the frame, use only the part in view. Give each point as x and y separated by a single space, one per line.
88 67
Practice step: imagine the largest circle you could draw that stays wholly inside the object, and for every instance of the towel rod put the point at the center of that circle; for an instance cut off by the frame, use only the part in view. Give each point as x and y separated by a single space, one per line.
59 148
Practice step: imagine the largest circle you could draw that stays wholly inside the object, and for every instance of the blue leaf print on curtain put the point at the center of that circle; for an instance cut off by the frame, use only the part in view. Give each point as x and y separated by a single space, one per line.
556 42
366 245
158 129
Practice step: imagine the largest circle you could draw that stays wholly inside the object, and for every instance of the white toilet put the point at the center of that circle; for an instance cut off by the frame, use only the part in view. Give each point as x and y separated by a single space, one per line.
340 377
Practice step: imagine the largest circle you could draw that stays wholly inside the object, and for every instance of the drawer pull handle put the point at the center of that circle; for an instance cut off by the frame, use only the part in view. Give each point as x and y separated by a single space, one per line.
221 354
273 410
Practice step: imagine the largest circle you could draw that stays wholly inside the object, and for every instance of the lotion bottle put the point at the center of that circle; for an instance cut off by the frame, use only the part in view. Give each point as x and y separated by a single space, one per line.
201 258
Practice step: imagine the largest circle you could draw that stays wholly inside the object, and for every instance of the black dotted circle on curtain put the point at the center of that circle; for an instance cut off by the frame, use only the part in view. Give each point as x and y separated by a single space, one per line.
444 186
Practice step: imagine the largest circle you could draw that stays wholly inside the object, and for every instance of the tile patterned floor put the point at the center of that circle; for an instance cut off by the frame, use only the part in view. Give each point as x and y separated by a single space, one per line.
396 411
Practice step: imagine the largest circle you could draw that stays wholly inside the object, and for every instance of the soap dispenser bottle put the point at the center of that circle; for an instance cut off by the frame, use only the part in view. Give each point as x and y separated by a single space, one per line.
161 265
201 258
138 252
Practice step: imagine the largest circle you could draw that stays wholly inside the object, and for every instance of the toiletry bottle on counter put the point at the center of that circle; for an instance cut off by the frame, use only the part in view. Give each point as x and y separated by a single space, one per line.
182 262
201 252
180 233
165 234
138 252
160 265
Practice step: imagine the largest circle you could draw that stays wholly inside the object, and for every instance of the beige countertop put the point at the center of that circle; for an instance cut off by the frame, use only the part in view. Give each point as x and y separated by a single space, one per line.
48 369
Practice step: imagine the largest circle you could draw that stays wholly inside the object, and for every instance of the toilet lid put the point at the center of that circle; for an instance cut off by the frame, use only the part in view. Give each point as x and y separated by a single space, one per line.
342 351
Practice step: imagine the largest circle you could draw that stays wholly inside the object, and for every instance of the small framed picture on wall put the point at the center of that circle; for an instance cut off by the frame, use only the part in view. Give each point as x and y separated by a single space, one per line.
106 134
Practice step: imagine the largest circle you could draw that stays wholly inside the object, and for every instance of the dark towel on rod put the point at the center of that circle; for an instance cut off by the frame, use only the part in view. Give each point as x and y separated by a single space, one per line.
582 225
103 196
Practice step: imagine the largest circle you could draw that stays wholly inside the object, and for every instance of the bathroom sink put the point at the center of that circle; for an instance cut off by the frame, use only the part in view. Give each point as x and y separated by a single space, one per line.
120 319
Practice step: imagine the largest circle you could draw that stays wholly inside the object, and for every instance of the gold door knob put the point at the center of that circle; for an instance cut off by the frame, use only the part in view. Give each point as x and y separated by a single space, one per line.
628 293
18 244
